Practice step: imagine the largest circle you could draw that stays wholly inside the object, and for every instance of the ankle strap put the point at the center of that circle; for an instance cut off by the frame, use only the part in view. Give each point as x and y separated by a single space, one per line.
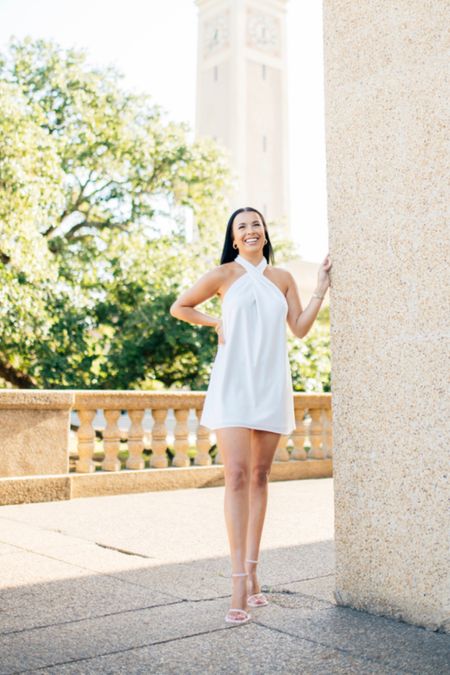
252 561
240 574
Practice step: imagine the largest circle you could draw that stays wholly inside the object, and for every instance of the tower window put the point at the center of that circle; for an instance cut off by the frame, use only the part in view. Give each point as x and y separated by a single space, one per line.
216 73
264 71
264 143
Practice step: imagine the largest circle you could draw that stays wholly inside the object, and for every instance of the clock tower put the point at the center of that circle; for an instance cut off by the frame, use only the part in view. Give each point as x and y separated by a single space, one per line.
242 97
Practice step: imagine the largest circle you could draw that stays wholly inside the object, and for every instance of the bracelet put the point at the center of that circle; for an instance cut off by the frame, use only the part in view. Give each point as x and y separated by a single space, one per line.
315 295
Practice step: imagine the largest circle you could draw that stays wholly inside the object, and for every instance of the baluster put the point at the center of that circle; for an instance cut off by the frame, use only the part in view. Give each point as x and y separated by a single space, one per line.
86 442
202 457
181 443
327 432
135 440
158 457
282 454
299 435
111 441
315 434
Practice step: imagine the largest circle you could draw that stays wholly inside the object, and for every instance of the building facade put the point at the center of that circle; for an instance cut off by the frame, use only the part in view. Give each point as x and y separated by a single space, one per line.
242 97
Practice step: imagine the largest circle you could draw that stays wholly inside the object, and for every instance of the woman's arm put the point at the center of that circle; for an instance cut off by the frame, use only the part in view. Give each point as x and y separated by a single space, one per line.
300 320
206 287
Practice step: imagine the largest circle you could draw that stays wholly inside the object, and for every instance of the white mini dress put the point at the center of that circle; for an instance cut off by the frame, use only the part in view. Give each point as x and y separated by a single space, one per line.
251 383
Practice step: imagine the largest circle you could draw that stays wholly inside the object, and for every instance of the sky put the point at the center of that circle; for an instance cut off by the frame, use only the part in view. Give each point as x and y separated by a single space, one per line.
153 43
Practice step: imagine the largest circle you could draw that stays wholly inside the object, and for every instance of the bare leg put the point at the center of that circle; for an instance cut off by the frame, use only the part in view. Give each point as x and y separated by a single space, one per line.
234 444
263 447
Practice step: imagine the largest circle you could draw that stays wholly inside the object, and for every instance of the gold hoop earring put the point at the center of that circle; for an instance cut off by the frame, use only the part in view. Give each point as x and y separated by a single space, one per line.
234 245
265 241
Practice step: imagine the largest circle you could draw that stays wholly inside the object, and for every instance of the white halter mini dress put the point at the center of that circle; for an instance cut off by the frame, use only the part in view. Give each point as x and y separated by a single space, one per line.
251 383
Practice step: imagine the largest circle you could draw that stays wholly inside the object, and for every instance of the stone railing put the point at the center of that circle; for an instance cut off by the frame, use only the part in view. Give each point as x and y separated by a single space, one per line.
60 444
101 448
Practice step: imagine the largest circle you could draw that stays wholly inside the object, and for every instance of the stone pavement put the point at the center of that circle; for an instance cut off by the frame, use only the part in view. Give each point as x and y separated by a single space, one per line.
140 584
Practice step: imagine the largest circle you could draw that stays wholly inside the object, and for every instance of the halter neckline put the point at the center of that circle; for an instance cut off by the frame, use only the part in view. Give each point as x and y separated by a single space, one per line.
248 265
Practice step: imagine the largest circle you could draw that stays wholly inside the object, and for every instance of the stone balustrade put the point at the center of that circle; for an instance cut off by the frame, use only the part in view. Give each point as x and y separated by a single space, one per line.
312 437
81 443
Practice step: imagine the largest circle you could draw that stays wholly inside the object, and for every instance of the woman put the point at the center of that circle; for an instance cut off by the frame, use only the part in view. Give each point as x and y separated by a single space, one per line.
249 402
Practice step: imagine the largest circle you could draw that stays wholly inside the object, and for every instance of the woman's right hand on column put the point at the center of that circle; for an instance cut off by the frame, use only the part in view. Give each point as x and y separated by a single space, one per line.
323 277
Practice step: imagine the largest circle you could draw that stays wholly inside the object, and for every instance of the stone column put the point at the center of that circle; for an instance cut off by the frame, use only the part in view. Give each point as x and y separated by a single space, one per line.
34 432
386 86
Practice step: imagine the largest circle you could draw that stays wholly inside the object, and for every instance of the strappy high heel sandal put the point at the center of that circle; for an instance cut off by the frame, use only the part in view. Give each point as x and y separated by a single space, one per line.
245 616
257 599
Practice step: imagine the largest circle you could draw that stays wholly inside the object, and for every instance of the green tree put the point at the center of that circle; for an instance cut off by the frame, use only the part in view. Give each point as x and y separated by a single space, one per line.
94 183
154 350
310 358
30 195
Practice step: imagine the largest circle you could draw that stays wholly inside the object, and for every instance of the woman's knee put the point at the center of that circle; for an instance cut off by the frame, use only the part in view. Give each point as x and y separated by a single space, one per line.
237 477
260 476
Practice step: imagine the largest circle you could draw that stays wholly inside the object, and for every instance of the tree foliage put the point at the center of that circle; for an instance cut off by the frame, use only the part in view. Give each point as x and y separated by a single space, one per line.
94 185
310 358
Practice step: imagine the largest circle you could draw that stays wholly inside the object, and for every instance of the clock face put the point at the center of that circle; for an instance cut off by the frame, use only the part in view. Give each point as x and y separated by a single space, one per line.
216 33
263 32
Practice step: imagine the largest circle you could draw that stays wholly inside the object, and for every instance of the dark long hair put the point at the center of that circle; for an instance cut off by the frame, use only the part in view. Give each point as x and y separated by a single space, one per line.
229 253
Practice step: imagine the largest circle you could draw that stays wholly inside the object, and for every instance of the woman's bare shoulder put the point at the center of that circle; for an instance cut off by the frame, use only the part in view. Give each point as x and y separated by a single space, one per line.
283 273
222 271
223 276
218 275
283 277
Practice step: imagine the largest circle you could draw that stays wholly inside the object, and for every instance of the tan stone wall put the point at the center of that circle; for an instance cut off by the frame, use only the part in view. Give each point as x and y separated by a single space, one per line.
34 432
387 83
